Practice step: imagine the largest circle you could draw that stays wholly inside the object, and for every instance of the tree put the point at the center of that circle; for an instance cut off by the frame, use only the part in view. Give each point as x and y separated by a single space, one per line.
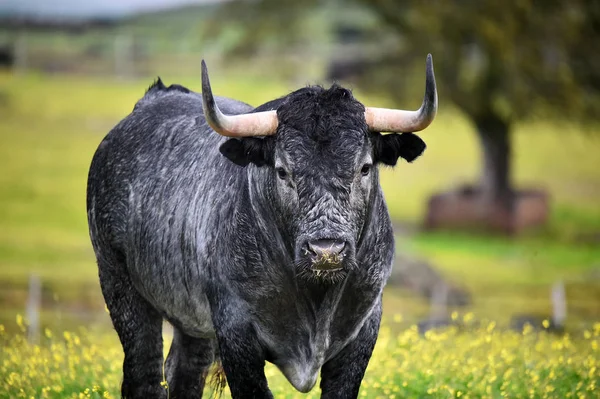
498 62
501 61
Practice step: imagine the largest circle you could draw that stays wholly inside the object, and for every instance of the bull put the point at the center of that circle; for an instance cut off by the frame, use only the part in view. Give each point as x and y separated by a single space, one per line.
260 234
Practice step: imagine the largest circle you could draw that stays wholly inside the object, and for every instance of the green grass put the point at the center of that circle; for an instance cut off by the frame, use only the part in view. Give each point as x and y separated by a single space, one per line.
475 362
51 126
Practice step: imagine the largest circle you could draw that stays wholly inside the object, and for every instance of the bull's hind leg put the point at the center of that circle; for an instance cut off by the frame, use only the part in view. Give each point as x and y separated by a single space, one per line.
139 327
187 365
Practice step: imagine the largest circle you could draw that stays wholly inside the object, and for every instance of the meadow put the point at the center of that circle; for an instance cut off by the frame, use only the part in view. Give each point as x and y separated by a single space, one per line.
481 362
51 125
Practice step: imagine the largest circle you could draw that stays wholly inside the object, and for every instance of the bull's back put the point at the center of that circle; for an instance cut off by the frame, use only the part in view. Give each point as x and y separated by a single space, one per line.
157 184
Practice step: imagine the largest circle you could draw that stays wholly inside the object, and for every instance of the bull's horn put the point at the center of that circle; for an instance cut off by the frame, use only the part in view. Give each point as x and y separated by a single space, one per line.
397 120
256 124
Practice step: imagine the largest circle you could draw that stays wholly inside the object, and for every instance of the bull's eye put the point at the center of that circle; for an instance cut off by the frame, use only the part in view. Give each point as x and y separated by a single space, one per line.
365 169
281 173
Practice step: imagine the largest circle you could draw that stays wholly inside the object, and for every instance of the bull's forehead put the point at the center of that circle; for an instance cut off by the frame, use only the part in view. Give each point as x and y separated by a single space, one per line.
331 143
316 157
322 129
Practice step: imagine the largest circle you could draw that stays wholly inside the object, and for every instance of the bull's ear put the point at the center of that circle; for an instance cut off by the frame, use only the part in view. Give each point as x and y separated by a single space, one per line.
249 150
388 148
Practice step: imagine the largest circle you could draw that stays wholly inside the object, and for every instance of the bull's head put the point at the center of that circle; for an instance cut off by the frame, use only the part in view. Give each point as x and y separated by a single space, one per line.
320 148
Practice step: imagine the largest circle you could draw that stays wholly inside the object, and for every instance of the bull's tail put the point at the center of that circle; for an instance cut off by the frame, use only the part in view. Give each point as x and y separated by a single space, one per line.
217 381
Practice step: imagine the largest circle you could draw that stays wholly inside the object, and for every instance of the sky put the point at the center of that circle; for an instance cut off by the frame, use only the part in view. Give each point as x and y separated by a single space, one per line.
87 8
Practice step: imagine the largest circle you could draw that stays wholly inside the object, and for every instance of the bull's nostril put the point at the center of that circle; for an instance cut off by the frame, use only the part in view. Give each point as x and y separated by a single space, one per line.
326 247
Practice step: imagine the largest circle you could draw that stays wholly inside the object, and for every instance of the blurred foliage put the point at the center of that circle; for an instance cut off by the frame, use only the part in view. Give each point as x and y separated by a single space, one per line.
152 43
491 57
505 58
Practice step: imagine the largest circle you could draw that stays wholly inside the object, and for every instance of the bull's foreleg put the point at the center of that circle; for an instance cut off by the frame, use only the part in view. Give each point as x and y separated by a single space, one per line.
139 327
241 354
341 376
187 365
244 363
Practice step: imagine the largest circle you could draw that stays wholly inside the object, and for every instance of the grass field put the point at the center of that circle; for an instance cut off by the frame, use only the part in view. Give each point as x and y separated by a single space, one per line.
482 362
50 127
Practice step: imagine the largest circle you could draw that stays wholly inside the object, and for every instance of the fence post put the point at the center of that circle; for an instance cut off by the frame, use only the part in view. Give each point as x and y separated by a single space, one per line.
559 304
439 302
32 312
123 55
21 51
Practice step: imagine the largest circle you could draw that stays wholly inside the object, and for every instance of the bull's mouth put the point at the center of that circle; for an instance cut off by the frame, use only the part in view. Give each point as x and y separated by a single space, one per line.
327 263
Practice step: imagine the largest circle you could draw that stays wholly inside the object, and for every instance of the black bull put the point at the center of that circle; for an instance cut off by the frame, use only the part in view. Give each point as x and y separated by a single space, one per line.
255 249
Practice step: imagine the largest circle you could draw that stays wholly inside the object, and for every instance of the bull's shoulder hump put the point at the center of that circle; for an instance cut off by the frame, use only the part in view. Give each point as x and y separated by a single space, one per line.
179 98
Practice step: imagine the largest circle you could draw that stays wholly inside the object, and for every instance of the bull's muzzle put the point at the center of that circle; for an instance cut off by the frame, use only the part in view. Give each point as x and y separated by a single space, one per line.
326 255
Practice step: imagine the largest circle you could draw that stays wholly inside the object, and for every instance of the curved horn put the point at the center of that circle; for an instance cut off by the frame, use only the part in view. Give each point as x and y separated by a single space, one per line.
397 120
256 124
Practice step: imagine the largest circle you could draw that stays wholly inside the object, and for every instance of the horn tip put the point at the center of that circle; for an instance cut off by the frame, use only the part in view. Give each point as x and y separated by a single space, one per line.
205 80
204 69
429 68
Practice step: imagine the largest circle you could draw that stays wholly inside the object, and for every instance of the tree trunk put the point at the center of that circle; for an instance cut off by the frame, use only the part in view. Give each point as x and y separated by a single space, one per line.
492 205
495 182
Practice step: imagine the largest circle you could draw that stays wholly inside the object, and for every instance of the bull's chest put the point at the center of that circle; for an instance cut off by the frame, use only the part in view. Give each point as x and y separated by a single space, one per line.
302 347
299 355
